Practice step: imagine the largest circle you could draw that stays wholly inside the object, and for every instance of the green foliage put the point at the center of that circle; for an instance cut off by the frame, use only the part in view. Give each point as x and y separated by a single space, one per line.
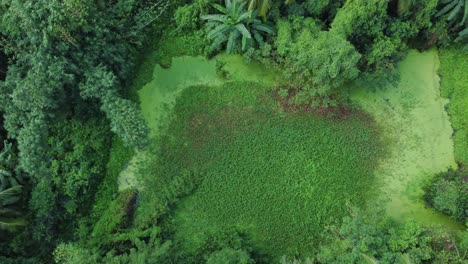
319 7
10 189
126 120
73 254
119 156
364 238
78 152
236 27
463 38
78 155
380 38
454 9
117 216
9 219
149 250
187 17
454 85
229 256
448 193
285 187
318 63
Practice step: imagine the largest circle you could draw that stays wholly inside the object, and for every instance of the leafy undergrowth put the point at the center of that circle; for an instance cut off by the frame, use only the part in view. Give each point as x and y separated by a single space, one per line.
279 177
119 156
454 85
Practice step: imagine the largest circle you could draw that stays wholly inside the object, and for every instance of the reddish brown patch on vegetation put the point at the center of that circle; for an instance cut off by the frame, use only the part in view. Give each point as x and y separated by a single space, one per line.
288 105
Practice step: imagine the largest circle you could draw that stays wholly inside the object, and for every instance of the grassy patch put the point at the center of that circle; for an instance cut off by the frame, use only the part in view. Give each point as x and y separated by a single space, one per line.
279 177
454 85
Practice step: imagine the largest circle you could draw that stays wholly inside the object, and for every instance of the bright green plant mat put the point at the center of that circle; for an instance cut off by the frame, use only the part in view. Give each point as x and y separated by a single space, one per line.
281 177
418 130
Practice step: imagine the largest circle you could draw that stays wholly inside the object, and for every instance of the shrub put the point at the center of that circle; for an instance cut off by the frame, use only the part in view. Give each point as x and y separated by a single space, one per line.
448 193
186 17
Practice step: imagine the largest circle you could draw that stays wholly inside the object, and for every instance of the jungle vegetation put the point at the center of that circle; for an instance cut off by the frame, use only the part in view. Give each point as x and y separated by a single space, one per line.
249 151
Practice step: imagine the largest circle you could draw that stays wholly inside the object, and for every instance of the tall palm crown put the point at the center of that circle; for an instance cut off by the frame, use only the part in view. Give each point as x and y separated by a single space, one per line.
236 26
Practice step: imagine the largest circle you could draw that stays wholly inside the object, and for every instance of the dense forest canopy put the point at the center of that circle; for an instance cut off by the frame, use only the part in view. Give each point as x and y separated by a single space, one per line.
71 120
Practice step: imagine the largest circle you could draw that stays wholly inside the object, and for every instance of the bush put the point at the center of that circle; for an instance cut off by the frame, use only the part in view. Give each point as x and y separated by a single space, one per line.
448 193
186 17
318 63
116 217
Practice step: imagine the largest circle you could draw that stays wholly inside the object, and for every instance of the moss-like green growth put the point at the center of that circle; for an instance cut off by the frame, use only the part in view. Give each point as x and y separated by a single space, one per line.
454 85
279 176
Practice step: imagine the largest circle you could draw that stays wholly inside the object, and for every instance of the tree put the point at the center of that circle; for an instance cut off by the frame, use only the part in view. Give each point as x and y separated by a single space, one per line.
236 26
316 62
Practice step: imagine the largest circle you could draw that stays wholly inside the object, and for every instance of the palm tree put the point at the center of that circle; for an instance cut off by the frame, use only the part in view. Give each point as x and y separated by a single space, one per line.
8 215
236 27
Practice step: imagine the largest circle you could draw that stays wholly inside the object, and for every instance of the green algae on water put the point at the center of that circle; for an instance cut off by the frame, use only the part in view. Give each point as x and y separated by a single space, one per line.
413 118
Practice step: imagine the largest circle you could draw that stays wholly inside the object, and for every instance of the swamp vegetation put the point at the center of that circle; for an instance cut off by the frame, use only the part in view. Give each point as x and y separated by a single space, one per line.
233 131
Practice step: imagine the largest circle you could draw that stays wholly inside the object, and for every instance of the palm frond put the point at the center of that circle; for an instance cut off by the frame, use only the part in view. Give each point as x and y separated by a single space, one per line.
405 259
231 41
264 28
10 195
243 30
220 8
217 31
465 14
244 16
218 41
252 5
238 26
258 38
220 18
228 4
455 11
11 224
369 259
264 7
447 8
